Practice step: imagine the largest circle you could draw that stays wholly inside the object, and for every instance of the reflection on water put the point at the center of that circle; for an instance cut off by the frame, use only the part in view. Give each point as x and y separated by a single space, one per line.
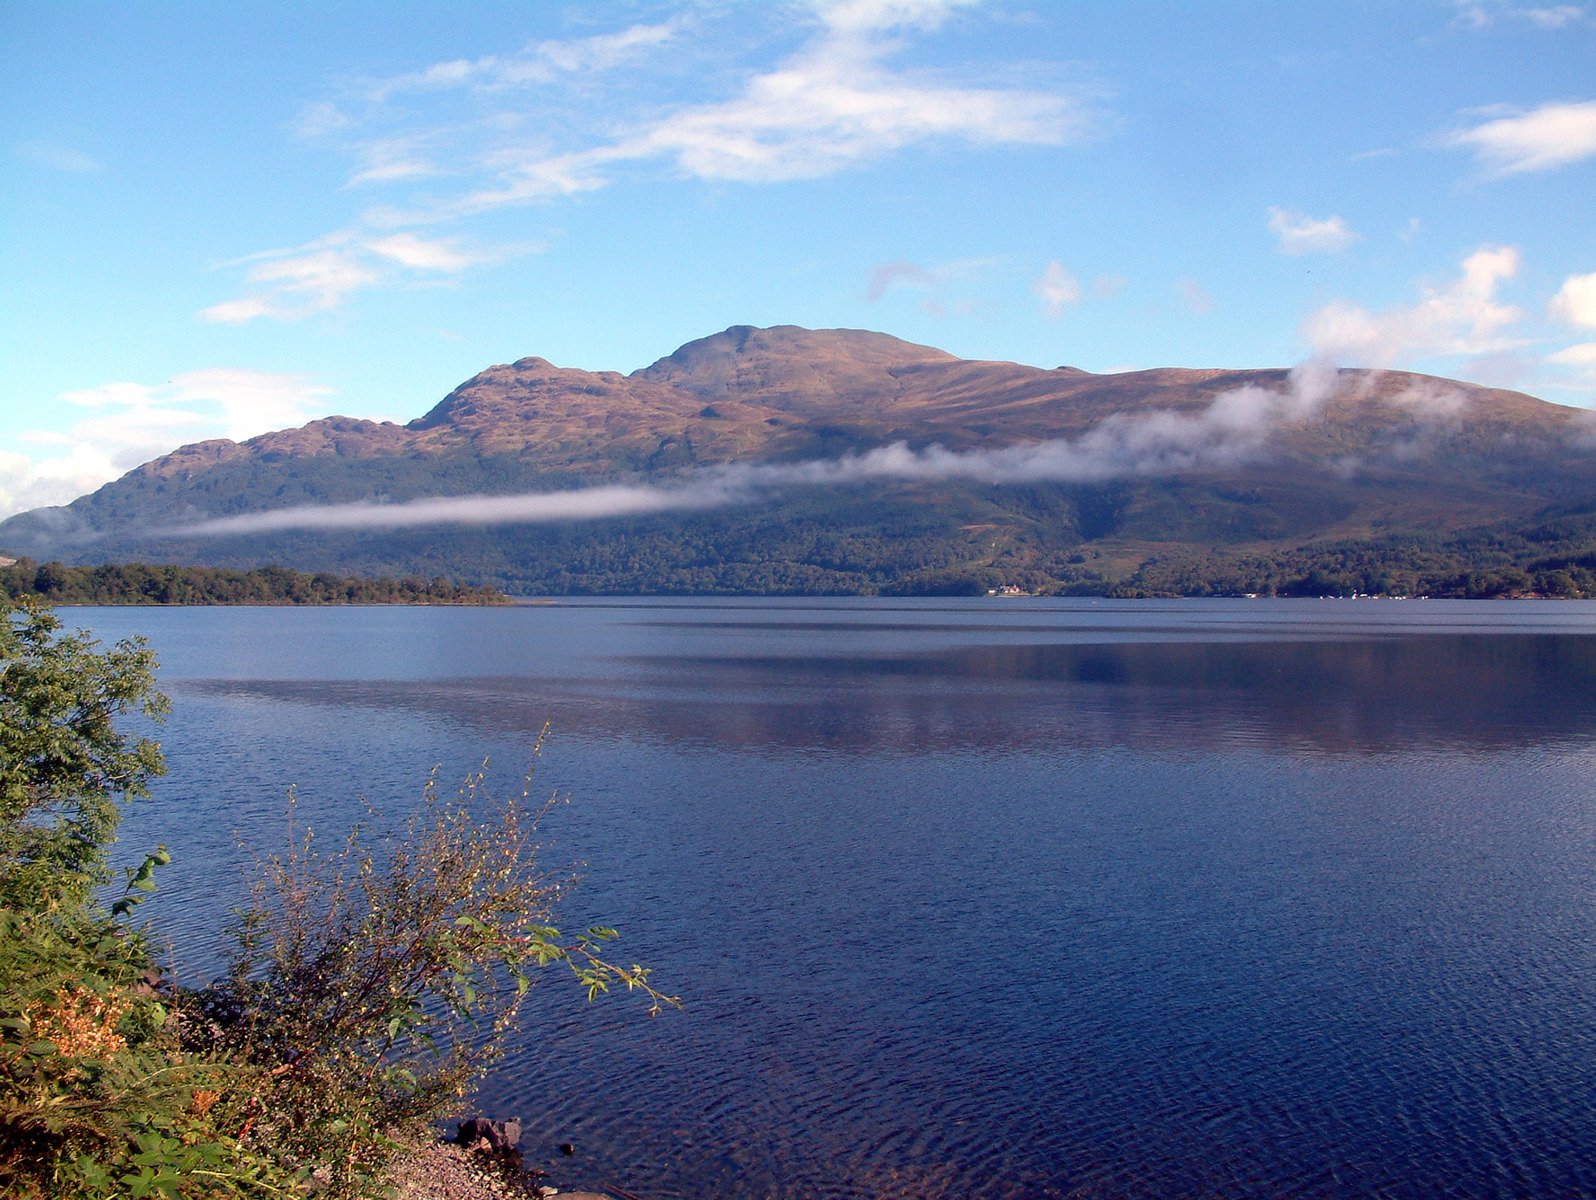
985 900
1436 692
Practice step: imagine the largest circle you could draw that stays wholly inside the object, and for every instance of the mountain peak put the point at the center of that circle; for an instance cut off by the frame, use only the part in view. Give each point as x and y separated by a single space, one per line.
788 367
784 341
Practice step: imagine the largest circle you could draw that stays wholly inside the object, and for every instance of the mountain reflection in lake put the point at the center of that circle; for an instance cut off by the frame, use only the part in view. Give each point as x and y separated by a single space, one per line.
1340 696
984 899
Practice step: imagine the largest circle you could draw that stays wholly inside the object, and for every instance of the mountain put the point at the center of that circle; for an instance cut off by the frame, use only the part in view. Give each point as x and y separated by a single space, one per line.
752 460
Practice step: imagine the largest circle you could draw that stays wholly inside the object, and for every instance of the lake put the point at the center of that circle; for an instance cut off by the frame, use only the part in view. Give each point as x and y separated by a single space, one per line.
979 898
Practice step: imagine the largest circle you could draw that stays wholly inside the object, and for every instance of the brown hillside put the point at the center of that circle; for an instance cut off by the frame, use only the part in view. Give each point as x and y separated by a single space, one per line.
787 392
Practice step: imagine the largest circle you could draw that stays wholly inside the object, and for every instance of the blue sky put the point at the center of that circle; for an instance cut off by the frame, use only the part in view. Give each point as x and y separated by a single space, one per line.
220 219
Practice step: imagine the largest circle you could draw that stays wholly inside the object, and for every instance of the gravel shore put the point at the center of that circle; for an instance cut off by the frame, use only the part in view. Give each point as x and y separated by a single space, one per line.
445 1171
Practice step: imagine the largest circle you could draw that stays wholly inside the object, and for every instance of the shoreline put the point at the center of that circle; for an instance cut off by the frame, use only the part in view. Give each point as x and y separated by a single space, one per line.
442 1169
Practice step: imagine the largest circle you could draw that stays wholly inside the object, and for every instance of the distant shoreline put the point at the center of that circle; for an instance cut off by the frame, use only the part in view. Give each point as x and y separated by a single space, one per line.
141 585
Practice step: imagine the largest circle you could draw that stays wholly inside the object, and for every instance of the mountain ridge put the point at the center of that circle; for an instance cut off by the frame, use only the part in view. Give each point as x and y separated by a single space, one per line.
1140 461
502 408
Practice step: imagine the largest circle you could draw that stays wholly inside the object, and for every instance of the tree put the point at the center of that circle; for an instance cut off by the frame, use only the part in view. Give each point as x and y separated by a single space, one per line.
65 766
96 1097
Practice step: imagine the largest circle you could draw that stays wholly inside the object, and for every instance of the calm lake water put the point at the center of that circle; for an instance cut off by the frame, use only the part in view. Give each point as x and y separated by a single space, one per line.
980 898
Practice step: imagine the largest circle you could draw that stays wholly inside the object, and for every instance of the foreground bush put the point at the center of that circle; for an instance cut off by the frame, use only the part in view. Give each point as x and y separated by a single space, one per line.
374 982
371 985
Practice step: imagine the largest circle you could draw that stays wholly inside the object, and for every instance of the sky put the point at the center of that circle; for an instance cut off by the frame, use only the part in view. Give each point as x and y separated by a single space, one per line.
221 219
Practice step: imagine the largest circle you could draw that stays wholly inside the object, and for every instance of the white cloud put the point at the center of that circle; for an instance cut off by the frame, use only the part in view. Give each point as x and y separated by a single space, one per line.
1463 317
290 284
394 160
1486 14
231 402
1556 16
576 504
130 423
602 52
1575 301
1057 289
835 103
559 118
1577 364
323 278
1551 136
872 16
322 119
1297 233
832 104
425 254
1582 355
56 479
537 63
58 157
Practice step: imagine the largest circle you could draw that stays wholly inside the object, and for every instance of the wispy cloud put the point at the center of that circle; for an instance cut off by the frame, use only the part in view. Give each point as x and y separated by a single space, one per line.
1584 355
1577 366
886 276
396 160
226 401
1488 14
576 504
1541 139
838 102
1461 317
1237 427
1297 233
289 284
125 424
1555 16
58 157
1057 289
561 118
834 103
932 282
539 62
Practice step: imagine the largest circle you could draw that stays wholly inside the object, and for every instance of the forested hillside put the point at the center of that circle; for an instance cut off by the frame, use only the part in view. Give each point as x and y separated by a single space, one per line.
142 583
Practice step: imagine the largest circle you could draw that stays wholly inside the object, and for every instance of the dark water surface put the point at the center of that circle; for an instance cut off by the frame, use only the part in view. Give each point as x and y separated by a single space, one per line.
982 898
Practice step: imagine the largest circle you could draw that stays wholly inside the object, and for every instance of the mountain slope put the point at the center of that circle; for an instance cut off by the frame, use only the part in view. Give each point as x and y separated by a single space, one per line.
1050 472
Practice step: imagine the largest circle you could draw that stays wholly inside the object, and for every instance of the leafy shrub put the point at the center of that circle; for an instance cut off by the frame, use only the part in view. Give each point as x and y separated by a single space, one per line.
96 1095
372 983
